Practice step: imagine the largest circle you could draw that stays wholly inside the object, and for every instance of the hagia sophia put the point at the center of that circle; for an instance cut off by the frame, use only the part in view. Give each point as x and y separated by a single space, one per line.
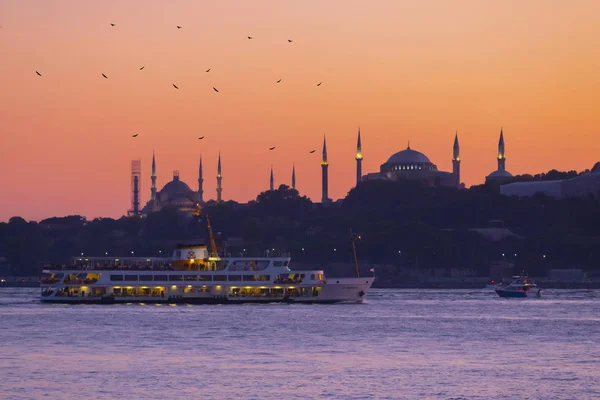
407 164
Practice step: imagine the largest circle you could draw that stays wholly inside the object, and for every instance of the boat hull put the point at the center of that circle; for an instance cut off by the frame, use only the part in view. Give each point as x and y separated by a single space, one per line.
341 290
517 293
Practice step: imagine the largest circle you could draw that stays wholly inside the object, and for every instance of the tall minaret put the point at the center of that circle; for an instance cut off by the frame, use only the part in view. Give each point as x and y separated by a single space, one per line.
271 181
501 155
324 180
200 182
293 176
456 160
219 179
153 188
359 159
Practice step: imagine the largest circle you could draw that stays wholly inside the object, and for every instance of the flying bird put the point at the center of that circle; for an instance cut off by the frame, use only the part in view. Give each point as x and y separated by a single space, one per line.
279 81
290 40
201 137
249 37
312 151
38 73
272 148
319 84
175 86
208 70
105 76
178 27
215 89
136 135
112 24
142 67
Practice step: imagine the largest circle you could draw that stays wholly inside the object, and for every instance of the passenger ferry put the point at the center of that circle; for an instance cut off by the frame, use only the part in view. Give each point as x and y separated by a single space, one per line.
194 276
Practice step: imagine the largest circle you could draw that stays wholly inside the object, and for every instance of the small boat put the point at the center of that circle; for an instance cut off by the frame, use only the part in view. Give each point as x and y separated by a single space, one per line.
521 286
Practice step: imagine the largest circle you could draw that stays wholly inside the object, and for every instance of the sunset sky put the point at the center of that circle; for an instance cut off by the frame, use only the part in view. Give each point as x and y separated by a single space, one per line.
402 70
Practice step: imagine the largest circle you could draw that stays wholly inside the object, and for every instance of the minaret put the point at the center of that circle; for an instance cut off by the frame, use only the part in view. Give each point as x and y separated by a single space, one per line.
219 179
324 180
271 181
359 159
153 188
293 177
200 182
501 155
456 160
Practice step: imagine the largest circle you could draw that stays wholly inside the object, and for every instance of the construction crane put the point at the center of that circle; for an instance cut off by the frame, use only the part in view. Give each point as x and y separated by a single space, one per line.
214 252
353 238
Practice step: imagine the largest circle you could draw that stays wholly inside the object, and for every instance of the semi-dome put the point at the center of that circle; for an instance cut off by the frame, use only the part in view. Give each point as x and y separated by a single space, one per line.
408 156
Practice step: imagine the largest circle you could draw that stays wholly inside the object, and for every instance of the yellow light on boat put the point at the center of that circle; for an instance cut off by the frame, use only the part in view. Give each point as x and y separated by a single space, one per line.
291 287
189 285
218 287
263 287
116 287
173 287
277 287
128 287
247 287
231 287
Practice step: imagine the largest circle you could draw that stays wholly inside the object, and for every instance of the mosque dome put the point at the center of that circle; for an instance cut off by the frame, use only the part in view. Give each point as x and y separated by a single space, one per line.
408 161
176 188
409 156
499 174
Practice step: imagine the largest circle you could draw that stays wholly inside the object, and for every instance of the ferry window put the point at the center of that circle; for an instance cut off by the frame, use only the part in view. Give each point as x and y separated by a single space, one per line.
178 254
205 277
221 278
312 276
160 278
248 278
262 278
190 277
277 263
235 278
131 278
285 263
145 277
175 278
116 277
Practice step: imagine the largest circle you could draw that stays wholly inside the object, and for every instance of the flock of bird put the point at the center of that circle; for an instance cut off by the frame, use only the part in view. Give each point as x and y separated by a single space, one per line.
208 70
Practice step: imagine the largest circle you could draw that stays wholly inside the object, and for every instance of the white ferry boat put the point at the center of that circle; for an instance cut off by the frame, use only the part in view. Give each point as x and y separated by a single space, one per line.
194 276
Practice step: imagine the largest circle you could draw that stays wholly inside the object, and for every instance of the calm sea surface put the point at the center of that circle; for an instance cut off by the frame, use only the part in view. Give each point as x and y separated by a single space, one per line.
414 344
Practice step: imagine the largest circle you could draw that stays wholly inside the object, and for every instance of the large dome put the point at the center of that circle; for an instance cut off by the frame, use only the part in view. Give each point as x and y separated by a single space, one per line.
176 188
409 156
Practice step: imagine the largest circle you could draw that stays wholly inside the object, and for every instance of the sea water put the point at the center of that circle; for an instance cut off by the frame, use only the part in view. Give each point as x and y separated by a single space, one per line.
400 344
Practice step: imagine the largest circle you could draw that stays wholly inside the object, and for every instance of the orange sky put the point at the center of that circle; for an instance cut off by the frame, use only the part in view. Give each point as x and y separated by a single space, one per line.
402 70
